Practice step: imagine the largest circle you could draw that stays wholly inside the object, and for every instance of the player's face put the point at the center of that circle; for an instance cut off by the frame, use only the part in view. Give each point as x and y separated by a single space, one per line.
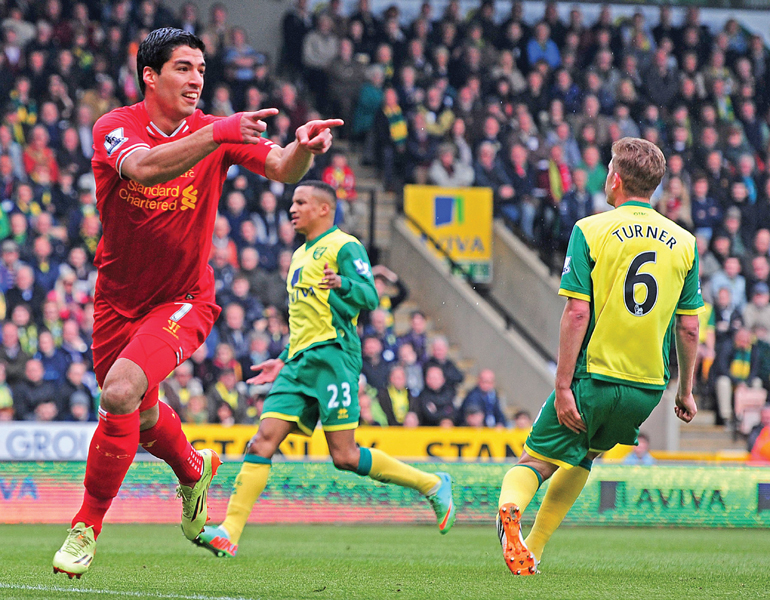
305 210
177 88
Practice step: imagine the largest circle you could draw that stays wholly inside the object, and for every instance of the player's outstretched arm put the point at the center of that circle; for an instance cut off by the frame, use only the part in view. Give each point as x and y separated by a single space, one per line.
574 324
687 334
290 164
167 161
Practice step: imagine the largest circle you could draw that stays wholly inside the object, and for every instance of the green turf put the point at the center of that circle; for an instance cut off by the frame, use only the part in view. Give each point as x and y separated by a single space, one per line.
321 562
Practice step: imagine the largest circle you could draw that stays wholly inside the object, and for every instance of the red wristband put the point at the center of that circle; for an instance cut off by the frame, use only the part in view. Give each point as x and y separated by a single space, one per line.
228 130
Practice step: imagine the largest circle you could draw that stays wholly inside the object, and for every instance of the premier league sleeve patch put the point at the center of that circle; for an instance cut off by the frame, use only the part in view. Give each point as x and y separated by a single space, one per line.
114 140
362 267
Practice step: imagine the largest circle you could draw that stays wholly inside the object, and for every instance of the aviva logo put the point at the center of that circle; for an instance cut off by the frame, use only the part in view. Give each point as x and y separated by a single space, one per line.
296 277
448 210
189 197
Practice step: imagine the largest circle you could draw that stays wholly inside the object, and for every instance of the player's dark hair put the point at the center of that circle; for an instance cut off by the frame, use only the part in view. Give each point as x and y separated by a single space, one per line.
156 49
320 185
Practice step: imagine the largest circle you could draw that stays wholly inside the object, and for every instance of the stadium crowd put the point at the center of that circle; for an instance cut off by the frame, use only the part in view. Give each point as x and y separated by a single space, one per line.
529 109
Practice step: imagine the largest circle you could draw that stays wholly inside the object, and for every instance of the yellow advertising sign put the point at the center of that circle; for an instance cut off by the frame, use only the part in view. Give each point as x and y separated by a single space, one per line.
459 219
459 443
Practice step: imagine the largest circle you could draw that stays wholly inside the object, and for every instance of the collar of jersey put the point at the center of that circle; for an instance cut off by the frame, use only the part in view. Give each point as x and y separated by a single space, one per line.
636 203
324 234
154 131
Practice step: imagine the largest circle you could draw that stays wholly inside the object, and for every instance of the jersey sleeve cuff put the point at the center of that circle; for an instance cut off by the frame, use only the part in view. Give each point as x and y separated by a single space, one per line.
573 294
690 311
345 286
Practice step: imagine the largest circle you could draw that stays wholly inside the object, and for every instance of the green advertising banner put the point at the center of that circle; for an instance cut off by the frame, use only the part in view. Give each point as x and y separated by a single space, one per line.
692 496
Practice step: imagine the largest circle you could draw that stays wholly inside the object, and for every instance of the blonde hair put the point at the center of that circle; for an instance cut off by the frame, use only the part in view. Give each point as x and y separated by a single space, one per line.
640 165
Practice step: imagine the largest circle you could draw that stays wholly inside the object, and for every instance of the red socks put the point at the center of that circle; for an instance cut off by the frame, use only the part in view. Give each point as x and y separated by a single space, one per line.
112 450
167 441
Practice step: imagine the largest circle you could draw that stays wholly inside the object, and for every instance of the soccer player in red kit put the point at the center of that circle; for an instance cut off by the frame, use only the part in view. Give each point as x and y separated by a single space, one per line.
159 167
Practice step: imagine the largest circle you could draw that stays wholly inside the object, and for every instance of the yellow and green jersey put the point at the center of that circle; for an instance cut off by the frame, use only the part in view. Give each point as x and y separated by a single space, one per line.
318 316
638 270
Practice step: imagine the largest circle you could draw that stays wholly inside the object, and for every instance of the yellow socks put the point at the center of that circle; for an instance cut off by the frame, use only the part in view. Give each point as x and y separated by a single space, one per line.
249 484
378 465
520 485
565 487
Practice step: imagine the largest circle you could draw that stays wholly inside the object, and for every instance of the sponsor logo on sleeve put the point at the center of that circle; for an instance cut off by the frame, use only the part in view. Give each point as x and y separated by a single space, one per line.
114 140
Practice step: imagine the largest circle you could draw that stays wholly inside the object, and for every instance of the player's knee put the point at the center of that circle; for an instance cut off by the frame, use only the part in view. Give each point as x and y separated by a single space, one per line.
262 446
120 397
346 460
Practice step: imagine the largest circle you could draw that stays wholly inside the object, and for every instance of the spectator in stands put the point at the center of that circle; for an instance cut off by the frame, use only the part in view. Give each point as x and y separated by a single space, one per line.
269 219
370 100
234 330
417 336
177 390
576 204
229 392
407 360
489 172
757 312
542 47
196 411
378 327
374 367
439 357
203 366
447 171
26 328
736 366
486 398
435 404
275 293
73 344
33 397
52 358
640 455
706 212
319 49
730 277
75 397
12 355
259 352
239 294
387 140
421 147
396 399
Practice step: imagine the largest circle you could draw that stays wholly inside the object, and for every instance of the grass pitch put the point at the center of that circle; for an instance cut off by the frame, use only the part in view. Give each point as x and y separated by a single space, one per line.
348 563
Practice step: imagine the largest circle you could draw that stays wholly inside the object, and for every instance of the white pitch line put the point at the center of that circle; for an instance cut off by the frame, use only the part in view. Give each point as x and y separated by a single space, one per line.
53 588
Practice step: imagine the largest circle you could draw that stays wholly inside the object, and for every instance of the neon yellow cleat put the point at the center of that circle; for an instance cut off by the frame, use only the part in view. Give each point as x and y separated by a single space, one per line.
77 551
194 509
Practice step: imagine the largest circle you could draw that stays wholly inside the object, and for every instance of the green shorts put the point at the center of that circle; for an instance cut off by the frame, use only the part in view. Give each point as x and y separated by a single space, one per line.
322 382
612 413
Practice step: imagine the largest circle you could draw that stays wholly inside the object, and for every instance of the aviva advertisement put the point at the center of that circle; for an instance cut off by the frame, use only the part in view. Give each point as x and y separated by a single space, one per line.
459 220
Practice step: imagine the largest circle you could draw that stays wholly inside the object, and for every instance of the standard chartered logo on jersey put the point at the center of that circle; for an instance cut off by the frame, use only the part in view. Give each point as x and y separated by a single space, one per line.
160 197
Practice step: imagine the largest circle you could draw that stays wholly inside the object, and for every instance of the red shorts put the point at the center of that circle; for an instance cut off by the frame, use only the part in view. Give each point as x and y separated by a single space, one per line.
158 342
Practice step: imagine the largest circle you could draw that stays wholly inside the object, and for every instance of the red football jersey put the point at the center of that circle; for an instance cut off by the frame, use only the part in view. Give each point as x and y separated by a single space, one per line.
156 240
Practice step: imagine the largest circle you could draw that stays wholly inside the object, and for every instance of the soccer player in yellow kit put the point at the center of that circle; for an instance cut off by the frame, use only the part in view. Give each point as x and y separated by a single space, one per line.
631 281
330 280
